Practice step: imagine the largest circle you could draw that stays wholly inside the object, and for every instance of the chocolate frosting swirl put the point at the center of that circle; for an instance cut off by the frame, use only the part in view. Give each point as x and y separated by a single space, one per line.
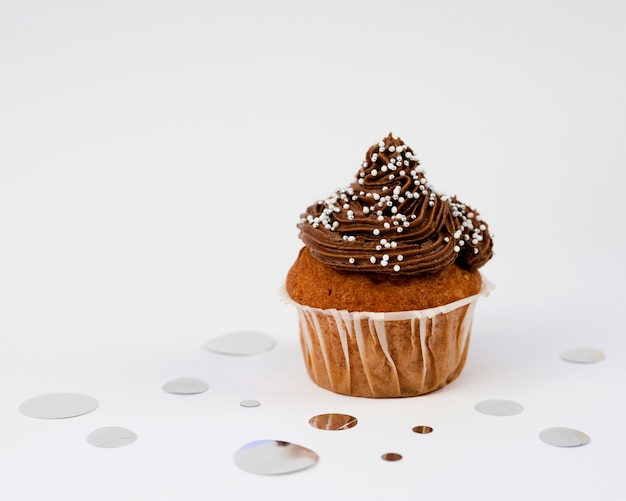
391 220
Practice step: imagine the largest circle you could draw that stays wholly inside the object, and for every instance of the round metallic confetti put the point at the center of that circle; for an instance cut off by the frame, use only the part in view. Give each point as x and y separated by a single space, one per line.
250 403
274 457
111 436
564 437
422 430
391 456
185 386
333 421
59 405
241 343
499 407
582 355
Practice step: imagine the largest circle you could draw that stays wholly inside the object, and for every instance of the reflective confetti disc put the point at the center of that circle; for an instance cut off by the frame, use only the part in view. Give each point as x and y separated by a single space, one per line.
111 437
582 355
249 403
422 430
499 407
333 421
274 457
241 343
564 437
185 386
59 405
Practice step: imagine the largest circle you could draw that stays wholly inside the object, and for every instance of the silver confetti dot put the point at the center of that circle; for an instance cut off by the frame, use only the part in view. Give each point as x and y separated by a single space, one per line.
185 386
59 406
250 403
110 437
499 407
582 355
274 457
564 437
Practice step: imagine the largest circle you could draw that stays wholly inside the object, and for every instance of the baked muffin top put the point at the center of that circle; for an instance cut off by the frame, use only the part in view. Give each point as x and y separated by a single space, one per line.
310 282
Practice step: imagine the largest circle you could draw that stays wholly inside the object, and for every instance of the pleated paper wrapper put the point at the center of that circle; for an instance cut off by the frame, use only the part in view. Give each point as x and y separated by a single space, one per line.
387 354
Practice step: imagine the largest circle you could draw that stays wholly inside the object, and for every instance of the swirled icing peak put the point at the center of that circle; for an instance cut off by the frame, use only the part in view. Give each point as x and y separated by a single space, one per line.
390 219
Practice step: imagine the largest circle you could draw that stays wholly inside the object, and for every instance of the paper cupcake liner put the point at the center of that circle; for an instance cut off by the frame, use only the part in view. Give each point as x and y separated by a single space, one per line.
387 354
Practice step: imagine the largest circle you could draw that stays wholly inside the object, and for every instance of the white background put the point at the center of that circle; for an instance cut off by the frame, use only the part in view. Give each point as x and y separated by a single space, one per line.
154 159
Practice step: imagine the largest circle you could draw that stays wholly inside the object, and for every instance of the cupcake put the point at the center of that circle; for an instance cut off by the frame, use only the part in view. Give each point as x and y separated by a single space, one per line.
387 280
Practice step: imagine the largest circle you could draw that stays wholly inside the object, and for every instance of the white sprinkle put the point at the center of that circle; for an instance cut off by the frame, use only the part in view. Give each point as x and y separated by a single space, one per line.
400 257
457 248
351 260
372 259
376 231
396 268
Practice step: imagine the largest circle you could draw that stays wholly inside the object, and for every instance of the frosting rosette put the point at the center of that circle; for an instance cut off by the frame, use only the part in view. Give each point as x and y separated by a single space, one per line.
390 219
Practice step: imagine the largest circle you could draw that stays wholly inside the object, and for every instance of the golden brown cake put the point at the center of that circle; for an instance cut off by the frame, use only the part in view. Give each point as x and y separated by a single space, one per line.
315 284
387 281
